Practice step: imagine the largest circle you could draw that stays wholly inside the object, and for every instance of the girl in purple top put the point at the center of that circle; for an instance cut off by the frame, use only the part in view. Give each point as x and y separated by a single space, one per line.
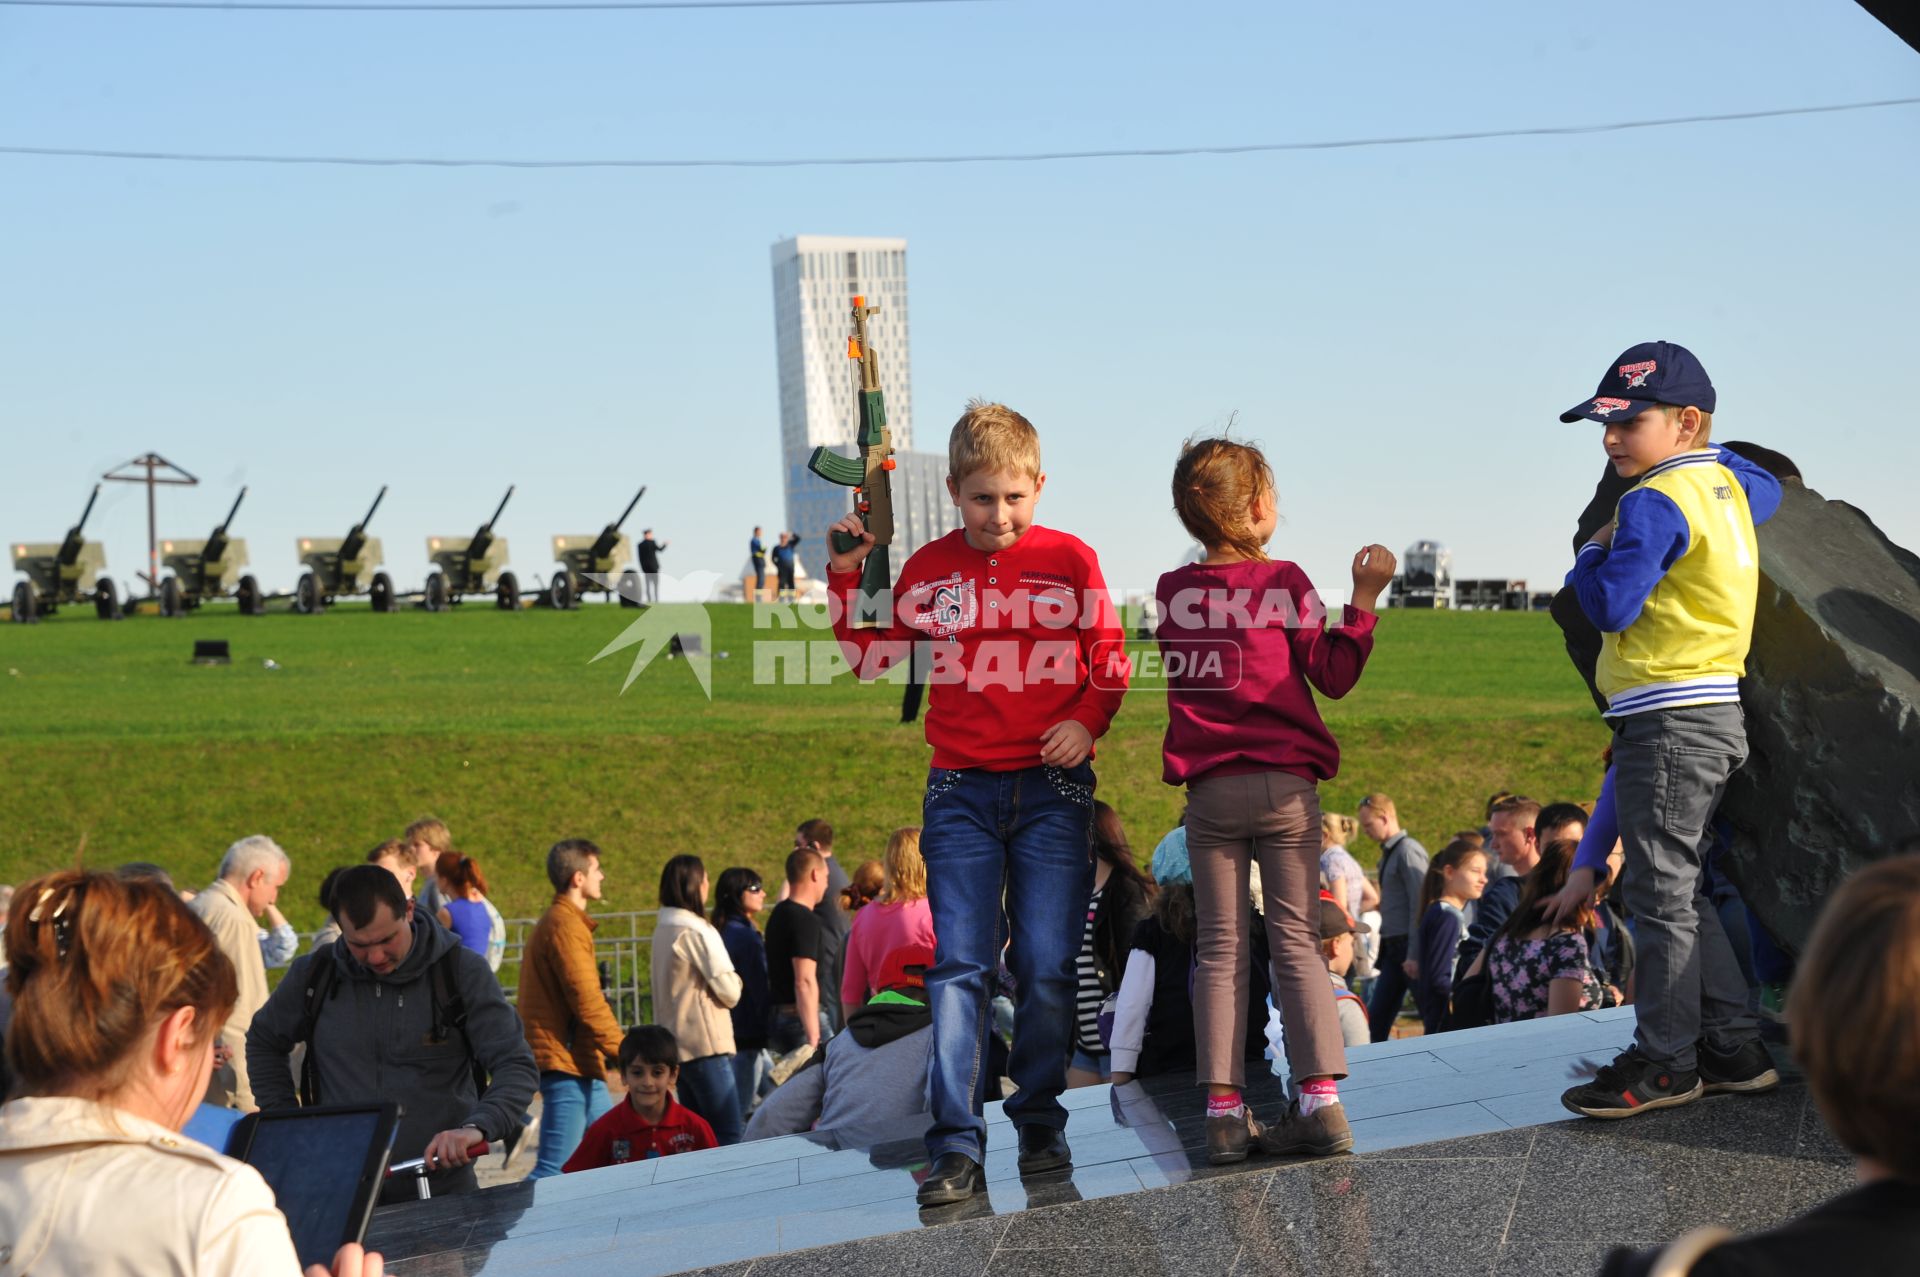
1245 642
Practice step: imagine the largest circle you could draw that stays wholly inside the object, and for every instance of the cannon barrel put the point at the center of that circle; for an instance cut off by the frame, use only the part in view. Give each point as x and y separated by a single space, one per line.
629 510
357 538
222 529
216 547
76 539
610 535
483 539
488 525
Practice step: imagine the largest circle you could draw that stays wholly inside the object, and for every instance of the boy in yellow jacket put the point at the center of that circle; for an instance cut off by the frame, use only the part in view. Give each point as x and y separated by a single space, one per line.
1671 584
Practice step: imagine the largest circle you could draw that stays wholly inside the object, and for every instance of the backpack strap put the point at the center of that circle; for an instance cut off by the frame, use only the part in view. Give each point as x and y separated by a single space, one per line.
322 978
450 1013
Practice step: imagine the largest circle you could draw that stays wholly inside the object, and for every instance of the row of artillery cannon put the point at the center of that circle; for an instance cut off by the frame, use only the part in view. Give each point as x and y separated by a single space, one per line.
72 572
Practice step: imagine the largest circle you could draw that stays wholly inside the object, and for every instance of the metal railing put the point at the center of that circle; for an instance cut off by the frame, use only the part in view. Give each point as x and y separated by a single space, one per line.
623 948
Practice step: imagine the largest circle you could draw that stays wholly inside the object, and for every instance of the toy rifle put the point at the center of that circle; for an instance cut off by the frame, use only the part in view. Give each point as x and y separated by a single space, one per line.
216 547
610 535
76 535
357 538
483 539
868 476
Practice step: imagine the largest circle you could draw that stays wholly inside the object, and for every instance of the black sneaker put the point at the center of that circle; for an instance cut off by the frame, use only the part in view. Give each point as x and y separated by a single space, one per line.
1747 1070
1632 1085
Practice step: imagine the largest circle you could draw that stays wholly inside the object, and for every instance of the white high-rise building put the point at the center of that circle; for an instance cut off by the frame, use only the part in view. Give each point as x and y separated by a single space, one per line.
815 279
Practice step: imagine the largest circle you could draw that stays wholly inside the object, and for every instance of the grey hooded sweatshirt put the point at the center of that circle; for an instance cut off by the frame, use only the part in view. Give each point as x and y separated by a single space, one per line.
371 1042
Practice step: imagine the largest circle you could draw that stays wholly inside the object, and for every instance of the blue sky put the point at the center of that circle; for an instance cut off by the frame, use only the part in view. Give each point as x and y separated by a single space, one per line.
1398 326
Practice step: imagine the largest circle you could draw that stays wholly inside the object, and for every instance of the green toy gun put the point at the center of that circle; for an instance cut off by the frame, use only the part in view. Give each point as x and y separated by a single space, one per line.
867 475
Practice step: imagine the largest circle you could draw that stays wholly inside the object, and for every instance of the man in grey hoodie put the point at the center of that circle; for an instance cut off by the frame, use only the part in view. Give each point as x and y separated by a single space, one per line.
386 1027
868 1078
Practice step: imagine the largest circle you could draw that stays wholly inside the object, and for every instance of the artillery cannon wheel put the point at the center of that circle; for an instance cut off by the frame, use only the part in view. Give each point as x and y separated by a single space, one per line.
25 605
507 596
306 595
248 597
562 592
437 592
382 592
106 600
630 588
171 603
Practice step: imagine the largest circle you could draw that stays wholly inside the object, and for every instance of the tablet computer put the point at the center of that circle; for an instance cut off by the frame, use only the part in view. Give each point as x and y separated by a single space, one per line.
324 1164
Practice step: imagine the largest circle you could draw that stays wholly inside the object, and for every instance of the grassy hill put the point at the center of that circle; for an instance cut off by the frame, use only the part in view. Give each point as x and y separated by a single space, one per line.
504 726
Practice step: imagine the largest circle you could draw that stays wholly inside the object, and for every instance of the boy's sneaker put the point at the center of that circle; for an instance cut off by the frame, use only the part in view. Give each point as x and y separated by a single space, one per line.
1230 1138
1744 1071
1632 1085
1322 1132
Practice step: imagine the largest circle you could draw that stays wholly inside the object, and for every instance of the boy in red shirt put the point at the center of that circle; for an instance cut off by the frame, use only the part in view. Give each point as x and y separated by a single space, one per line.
651 1123
1010 625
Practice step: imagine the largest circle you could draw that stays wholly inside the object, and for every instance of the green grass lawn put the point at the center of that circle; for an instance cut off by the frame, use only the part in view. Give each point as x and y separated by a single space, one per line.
502 725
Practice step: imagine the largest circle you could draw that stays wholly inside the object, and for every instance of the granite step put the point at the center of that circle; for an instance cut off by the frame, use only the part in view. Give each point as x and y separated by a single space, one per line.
844 1201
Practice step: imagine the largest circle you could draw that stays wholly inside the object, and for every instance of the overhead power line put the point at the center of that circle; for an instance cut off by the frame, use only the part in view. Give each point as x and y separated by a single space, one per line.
1010 157
458 6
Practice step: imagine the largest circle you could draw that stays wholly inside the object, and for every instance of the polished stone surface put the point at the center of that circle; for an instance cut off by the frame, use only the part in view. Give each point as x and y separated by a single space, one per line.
1466 1164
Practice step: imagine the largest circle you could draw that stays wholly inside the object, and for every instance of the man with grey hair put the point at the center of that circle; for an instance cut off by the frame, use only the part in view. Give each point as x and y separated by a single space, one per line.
251 875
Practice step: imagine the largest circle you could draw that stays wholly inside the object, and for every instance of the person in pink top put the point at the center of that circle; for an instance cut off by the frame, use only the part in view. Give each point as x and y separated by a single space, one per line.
900 916
1245 641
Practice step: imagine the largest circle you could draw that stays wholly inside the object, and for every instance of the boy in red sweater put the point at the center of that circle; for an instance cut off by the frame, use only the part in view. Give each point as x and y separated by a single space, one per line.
651 1123
1024 660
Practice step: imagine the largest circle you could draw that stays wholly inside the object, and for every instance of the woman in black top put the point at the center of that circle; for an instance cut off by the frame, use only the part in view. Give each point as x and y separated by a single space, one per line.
738 897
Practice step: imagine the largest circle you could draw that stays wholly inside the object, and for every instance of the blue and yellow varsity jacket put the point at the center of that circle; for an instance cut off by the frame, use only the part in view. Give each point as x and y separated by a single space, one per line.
1673 597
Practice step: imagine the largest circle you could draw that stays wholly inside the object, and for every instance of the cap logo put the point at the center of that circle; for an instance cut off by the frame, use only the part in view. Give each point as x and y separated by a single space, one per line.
1605 406
1637 374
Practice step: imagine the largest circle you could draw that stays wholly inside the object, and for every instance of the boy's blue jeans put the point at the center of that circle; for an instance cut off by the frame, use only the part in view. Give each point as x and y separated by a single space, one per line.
568 1106
1670 769
1007 853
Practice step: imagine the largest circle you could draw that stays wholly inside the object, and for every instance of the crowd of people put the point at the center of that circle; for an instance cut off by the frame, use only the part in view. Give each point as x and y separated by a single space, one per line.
1014 946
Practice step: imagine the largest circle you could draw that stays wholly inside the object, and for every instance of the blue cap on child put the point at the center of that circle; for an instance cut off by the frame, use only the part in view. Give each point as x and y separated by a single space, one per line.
1170 864
1654 372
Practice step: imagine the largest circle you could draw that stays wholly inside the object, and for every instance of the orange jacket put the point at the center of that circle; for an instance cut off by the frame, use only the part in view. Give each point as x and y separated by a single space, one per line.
567 1020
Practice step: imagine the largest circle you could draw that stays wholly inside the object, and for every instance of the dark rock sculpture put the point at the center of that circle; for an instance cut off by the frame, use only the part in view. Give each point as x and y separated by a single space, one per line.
1832 696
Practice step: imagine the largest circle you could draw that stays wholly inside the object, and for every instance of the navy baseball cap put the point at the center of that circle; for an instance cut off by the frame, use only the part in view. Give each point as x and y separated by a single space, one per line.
1654 372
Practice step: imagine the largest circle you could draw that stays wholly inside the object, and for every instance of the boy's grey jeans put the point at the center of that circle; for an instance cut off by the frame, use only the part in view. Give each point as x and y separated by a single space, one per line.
1670 771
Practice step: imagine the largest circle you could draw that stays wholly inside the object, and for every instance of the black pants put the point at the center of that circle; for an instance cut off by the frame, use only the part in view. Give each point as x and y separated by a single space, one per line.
1389 988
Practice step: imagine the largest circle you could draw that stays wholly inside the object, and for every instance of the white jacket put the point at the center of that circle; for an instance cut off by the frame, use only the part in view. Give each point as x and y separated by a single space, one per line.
92 1191
694 984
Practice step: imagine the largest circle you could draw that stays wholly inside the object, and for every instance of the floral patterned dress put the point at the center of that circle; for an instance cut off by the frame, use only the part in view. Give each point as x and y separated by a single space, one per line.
1521 971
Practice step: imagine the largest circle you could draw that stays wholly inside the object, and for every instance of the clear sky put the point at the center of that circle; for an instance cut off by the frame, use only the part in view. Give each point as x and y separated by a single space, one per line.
1398 326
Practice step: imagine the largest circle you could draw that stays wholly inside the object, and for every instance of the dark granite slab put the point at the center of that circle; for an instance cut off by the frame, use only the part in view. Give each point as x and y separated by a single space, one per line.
1466 1163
